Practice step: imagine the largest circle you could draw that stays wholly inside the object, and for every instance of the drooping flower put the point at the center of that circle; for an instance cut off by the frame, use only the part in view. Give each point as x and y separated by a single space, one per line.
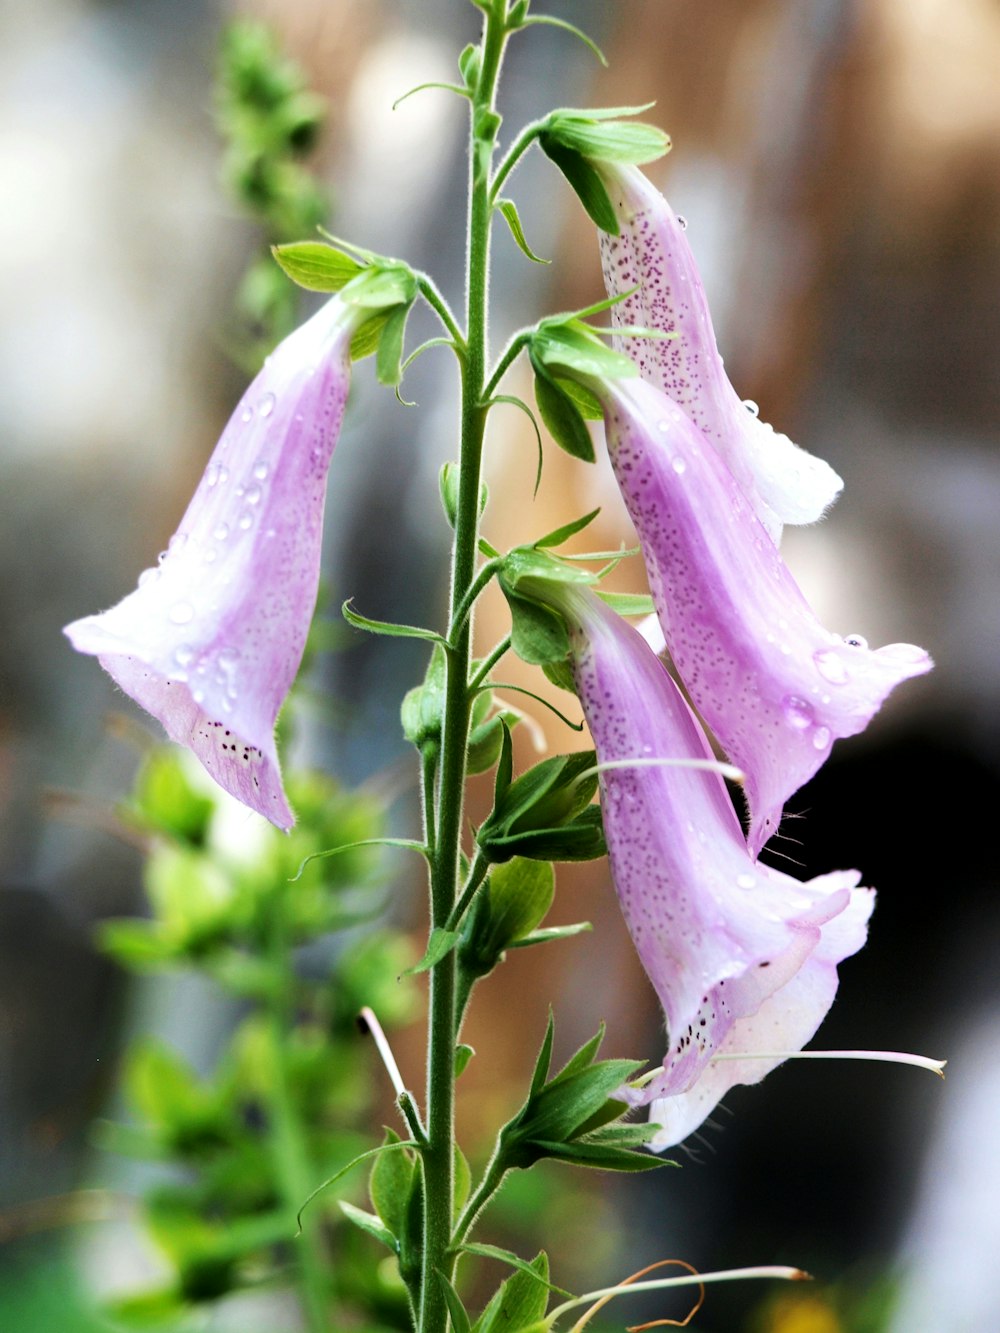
211 639
784 483
774 686
743 957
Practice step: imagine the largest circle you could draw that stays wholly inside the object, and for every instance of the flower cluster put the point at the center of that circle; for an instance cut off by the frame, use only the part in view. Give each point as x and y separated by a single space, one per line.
743 958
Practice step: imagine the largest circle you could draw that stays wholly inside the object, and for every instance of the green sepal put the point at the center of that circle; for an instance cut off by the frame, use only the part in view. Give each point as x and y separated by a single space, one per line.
486 740
423 706
602 137
448 481
552 933
560 674
562 417
369 1223
563 534
463 1054
389 356
543 1060
461 1178
580 840
546 814
521 1300
628 603
316 266
469 64
585 180
564 347
586 403
482 1251
513 219
514 901
538 635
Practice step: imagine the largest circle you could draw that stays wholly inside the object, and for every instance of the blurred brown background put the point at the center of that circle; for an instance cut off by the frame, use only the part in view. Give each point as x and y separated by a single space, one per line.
838 162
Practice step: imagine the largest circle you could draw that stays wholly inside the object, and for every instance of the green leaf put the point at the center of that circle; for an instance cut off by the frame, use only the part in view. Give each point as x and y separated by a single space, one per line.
520 1301
469 63
461 1180
439 944
482 1251
520 894
316 266
486 742
586 182
538 635
505 767
563 419
601 137
463 1054
137 945
543 1059
389 1185
551 22
587 404
552 933
563 534
509 210
560 674
371 1224
597 1157
422 710
349 1166
456 1310
387 627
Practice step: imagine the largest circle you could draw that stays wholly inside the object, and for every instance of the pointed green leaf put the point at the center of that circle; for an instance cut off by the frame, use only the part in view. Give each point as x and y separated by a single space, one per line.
508 1257
563 419
585 180
509 210
390 347
552 933
600 1158
563 534
583 1056
544 1059
461 1180
456 1310
439 944
463 1054
600 137
388 628
505 766
371 1224
521 1300
586 403
628 603
389 1185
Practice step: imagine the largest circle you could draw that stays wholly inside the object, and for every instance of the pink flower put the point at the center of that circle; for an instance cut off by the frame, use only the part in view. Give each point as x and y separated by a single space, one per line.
774 686
211 639
743 958
783 482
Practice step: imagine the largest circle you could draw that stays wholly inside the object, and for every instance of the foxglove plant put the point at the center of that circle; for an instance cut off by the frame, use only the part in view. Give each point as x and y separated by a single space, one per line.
742 957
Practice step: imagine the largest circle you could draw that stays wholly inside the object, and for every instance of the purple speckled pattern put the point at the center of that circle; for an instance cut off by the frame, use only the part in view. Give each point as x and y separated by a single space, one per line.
743 958
211 639
774 686
784 483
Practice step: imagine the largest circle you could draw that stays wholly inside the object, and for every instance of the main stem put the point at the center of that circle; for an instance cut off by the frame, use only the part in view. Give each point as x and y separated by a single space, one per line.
438 1155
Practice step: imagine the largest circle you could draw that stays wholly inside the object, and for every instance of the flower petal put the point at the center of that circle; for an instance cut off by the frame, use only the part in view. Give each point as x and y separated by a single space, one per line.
784 483
774 686
741 955
212 638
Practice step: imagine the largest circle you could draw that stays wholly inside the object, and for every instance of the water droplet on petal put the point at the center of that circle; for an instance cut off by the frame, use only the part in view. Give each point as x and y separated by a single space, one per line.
253 495
211 474
247 413
798 713
223 475
148 576
679 466
663 425
261 470
855 641
830 666
175 543
184 654
745 881
210 556
181 613
682 222
228 658
221 532
161 557
821 738
266 405
246 521
751 407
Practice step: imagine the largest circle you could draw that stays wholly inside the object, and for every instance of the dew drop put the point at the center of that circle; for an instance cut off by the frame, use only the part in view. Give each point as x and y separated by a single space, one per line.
184 655
745 881
148 576
246 521
679 466
260 471
246 414
751 407
161 557
821 738
223 475
181 613
266 405
253 495
682 222
211 474
175 543
221 532
855 641
210 556
798 713
663 425
830 666
198 696
228 658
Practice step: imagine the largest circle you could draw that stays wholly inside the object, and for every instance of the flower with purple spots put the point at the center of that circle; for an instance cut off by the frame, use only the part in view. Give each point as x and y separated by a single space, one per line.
743 958
652 254
774 686
211 640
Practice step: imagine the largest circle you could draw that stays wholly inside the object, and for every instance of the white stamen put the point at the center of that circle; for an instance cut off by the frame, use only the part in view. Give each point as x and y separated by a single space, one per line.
886 1057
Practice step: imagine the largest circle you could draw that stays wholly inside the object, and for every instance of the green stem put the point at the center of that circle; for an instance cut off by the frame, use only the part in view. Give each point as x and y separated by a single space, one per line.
437 1158
492 1180
464 608
293 1168
517 150
489 662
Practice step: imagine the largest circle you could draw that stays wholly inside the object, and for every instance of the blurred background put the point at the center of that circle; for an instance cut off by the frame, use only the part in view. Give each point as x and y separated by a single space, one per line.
838 163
